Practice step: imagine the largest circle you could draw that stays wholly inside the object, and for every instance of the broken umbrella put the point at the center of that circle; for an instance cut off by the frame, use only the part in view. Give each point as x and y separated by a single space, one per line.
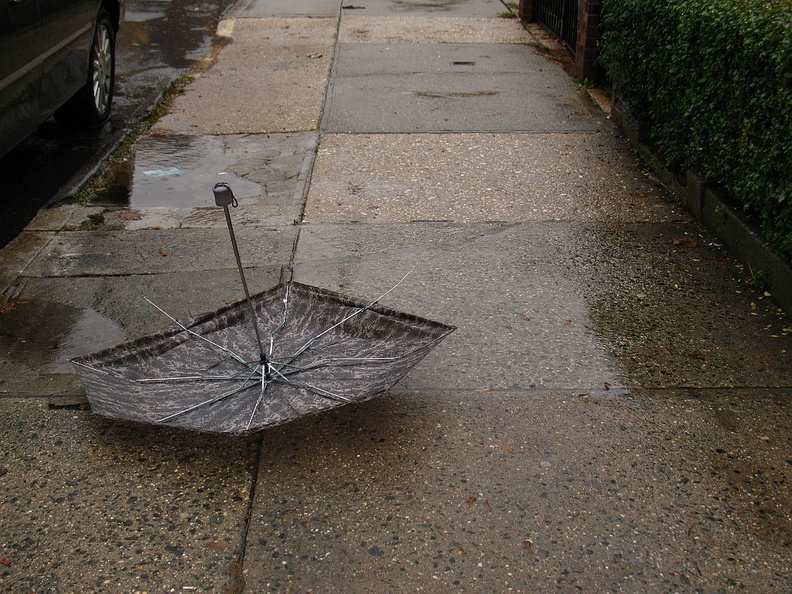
289 352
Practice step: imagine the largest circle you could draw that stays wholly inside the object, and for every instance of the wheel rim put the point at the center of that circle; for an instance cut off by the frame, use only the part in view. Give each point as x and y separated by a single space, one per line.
102 71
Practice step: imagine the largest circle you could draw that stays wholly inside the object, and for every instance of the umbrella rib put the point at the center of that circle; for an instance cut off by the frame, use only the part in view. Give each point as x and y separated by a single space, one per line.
318 390
323 392
193 333
188 378
264 383
273 334
244 386
95 369
375 359
308 344
289 369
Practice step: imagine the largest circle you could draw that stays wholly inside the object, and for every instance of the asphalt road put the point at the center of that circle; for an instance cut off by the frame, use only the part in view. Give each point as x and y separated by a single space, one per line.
160 40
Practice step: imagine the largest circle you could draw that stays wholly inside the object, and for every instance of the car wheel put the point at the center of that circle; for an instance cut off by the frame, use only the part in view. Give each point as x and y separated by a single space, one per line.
91 105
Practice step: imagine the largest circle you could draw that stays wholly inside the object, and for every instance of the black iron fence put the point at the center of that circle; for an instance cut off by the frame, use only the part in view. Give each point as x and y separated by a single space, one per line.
560 16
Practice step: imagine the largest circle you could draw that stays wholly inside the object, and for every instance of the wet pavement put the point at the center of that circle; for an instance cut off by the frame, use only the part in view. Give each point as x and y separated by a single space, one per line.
612 413
160 41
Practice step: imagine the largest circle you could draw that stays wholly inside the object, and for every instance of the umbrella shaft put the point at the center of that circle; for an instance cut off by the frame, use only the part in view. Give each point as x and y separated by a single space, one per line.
245 288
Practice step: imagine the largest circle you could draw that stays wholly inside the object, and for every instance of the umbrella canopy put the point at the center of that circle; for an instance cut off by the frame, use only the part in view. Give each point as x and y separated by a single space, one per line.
316 350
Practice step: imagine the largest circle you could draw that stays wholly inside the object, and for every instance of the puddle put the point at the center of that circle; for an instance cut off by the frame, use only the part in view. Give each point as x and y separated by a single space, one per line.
168 32
44 335
169 181
91 332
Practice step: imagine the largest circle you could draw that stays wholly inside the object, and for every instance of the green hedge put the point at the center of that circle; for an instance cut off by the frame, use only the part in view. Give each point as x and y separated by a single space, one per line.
714 78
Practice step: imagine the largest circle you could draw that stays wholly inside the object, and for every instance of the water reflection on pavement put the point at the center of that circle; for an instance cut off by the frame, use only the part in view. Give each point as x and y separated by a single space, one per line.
160 40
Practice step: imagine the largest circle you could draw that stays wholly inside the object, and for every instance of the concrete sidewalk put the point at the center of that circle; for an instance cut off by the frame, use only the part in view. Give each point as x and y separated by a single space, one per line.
612 414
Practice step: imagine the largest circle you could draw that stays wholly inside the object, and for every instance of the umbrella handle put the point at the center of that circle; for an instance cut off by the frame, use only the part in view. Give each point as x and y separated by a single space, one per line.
225 197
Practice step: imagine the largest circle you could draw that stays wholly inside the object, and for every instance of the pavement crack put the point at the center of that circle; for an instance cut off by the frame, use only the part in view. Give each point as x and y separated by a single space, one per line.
236 570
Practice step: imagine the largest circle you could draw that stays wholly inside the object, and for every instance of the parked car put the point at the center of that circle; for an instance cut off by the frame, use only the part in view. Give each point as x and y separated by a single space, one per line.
57 57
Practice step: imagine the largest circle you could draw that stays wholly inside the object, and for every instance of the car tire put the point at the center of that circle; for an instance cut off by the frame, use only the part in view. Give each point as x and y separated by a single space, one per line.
90 106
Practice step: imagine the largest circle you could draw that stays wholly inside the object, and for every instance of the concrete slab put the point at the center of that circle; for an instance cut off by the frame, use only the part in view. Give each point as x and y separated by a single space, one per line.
561 306
420 29
271 78
93 505
440 8
503 492
16 256
290 8
453 87
479 178
517 335
116 253
169 182
459 59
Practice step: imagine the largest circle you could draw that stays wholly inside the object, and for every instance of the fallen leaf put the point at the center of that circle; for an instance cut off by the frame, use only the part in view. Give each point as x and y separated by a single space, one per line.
129 215
508 449
528 544
484 390
606 386
8 306
471 500
4 561
163 253
686 242
568 323
526 318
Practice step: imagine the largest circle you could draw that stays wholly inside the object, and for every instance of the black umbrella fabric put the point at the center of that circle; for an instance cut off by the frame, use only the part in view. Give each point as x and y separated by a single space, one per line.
292 351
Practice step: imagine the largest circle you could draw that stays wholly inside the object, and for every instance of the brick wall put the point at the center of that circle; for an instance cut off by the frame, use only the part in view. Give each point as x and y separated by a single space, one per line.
526 10
587 37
